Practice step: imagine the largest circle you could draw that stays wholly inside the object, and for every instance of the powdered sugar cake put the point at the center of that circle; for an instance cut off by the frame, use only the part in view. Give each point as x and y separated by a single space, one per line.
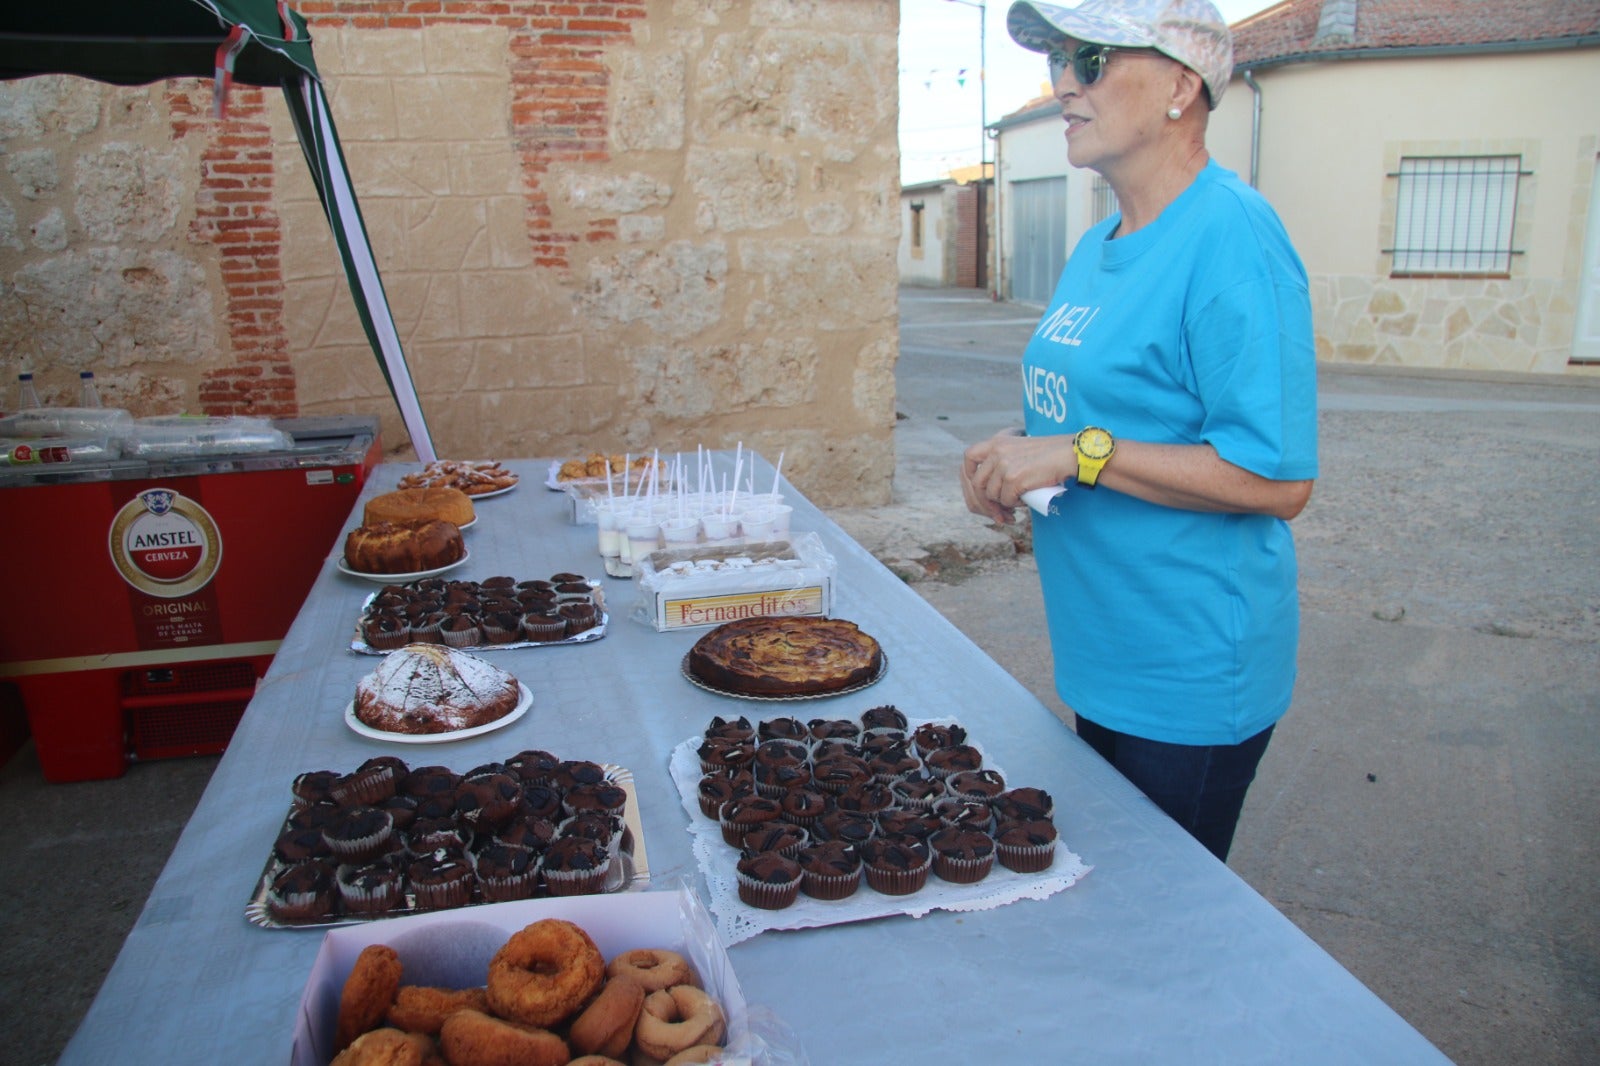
431 688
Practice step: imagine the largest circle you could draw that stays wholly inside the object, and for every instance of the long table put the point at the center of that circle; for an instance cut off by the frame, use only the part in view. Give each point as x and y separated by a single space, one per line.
1160 954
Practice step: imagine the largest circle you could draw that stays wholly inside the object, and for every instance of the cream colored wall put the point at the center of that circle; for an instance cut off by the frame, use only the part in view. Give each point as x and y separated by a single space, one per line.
1330 135
733 277
927 265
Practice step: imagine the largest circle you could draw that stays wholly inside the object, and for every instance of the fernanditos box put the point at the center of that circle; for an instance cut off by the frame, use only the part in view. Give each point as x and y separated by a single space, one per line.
691 588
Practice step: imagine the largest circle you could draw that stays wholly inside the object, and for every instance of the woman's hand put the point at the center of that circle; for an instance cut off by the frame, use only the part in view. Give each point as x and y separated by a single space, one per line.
1192 477
996 472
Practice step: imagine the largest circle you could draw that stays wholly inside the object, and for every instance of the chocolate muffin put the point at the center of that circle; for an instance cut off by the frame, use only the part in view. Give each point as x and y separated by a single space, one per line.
831 869
768 880
962 856
575 866
896 866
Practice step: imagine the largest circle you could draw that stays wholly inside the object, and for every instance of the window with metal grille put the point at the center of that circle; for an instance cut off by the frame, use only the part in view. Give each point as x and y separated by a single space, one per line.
1105 201
1455 215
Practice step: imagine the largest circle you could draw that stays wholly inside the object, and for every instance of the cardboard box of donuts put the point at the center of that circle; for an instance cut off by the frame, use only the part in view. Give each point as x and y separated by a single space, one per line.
453 950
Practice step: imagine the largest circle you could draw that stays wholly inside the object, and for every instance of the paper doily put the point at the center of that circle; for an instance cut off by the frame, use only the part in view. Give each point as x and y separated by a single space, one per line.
736 921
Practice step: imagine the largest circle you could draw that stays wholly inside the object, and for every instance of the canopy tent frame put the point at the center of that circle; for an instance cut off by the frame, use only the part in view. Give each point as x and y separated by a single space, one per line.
253 42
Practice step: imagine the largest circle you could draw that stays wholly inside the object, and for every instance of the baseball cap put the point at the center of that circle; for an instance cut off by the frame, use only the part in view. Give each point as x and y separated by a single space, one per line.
1190 31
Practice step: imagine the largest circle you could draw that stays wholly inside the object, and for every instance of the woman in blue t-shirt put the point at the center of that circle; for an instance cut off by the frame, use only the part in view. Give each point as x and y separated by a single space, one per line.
1174 375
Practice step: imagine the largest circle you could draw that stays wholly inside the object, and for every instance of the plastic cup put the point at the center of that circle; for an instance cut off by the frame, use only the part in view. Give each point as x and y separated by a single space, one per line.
610 534
680 532
644 535
720 529
782 514
760 524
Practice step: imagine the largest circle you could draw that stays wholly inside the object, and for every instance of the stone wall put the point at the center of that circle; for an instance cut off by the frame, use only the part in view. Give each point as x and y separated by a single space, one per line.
614 226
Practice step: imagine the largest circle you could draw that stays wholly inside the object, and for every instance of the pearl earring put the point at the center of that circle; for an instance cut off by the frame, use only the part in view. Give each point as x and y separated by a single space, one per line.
1174 114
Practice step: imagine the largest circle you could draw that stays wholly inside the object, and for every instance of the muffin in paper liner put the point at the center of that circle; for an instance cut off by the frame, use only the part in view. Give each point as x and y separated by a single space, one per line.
831 870
387 632
302 890
370 888
739 816
460 636
780 836
918 793
544 628
359 834
441 878
896 867
575 866
962 856
1026 847
768 880
506 872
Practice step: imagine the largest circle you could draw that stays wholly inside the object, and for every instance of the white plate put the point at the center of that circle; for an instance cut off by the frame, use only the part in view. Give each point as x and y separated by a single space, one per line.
366 730
401 579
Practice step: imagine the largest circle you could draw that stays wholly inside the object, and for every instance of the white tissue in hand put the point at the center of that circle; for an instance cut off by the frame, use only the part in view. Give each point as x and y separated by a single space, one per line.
1040 499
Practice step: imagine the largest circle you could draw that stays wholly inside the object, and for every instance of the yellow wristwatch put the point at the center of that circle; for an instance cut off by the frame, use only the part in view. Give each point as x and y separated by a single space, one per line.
1094 447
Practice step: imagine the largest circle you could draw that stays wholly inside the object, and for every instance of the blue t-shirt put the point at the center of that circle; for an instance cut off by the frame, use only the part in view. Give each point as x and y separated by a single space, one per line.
1174 625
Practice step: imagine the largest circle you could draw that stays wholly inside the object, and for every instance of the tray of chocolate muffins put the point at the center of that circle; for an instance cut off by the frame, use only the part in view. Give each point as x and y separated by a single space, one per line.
494 613
388 839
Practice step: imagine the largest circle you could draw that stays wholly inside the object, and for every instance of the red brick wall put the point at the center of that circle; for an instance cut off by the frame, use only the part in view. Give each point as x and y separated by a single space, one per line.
558 114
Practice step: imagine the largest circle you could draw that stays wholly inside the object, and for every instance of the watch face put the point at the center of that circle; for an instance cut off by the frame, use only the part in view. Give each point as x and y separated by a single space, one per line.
1095 443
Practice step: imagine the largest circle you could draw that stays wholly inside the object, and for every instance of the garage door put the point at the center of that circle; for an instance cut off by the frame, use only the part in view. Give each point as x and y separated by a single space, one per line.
1038 238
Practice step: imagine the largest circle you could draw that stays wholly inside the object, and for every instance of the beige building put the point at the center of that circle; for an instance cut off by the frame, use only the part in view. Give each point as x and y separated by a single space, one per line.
623 227
1435 165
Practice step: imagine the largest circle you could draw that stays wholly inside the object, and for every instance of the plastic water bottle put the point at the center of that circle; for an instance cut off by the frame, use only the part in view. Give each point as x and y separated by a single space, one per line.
27 395
88 394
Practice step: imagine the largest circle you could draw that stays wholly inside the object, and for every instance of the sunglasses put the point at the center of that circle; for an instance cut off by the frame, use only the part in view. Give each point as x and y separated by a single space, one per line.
1088 62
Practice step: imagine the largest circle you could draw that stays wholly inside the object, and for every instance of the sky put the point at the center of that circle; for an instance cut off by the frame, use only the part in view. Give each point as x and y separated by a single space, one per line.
942 107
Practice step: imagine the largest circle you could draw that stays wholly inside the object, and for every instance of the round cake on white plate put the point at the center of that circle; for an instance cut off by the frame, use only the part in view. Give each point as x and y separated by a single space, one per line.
431 688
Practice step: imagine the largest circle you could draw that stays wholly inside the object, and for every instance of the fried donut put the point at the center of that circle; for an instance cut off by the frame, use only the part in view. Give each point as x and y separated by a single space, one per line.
371 987
606 1025
596 1060
677 1018
420 1009
697 1054
387 1047
545 973
473 1038
653 968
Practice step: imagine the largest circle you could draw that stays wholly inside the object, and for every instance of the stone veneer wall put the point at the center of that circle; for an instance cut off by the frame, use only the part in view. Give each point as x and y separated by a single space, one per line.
1522 323
601 226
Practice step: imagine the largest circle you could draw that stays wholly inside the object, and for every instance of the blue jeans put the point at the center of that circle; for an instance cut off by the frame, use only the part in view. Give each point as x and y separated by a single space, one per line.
1201 787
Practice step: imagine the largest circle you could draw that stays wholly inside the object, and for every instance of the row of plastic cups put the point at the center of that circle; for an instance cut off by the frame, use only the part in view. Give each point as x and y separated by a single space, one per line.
629 535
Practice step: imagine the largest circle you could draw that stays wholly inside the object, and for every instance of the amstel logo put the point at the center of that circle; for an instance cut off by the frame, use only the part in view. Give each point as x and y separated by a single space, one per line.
165 544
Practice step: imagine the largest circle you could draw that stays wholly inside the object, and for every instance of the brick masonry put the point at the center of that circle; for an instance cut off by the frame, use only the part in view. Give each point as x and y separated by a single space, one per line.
601 226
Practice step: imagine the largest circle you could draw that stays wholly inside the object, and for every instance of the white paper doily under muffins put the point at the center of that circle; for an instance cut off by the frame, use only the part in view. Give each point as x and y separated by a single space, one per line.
737 921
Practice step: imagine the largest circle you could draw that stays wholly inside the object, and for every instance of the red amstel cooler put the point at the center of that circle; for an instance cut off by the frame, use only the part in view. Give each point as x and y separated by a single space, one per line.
147 597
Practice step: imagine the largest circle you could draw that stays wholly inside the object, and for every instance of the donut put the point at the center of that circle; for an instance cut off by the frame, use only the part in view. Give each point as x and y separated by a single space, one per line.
471 1036
606 1026
653 968
596 1060
420 1009
388 1047
545 973
697 1054
676 1019
371 987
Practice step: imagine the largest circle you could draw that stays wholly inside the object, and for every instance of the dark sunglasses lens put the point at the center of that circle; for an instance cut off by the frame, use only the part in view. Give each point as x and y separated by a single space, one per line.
1058 66
1088 63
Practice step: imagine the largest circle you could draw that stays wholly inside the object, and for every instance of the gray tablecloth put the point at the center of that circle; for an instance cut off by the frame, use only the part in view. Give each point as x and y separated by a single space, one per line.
1160 954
